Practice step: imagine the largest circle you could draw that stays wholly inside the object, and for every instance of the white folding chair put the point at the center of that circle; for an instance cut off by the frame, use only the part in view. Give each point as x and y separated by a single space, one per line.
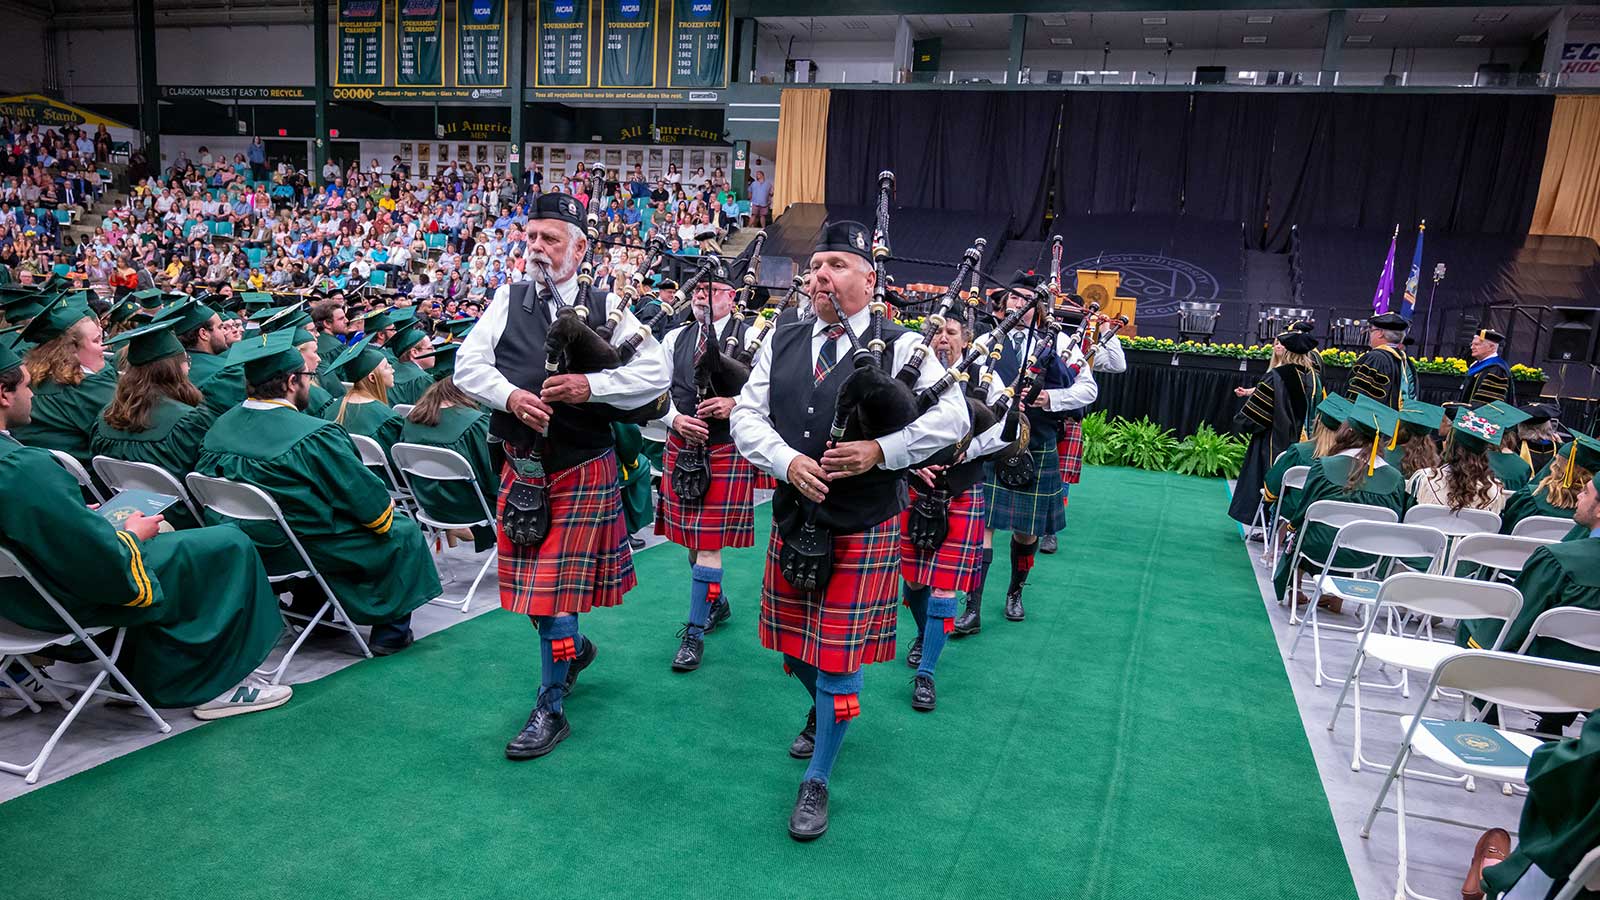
1425 595
1499 679
1585 876
1495 555
1294 479
373 457
17 643
122 475
1549 528
1334 514
403 409
1264 518
76 470
418 461
1459 523
1569 624
248 503
1387 542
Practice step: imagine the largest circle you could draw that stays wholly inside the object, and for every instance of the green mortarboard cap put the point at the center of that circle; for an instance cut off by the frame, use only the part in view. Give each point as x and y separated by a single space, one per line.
149 298
226 315
1367 416
443 351
13 289
406 338
257 298
458 327
54 282
1420 417
149 343
1504 414
19 308
1333 409
285 317
9 358
266 356
302 335
402 314
1583 452
188 313
123 309
54 320
358 360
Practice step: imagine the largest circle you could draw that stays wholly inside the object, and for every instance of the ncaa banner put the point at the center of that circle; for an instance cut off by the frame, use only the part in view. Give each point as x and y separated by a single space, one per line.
359 25
563 34
480 43
419 36
628 43
699 44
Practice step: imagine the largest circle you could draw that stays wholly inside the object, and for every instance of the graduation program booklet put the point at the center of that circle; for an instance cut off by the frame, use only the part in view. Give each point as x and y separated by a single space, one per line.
1476 743
1355 588
126 503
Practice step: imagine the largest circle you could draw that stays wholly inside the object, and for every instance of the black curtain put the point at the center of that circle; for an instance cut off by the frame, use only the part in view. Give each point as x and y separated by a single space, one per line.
1121 152
1227 157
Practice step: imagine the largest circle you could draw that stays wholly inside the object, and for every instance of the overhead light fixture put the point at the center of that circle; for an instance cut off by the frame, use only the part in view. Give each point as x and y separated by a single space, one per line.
855 24
1054 21
1258 20
1158 41
1061 42
1468 38
1358 39
959 21
1154 20
1489 17
1373 17
1255 39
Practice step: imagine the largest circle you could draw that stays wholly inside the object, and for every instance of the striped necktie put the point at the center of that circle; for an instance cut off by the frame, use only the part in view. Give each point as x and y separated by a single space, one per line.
829 354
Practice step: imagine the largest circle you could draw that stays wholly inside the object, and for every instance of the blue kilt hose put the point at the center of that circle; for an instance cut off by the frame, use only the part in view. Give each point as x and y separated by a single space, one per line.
955 565
584 561
851 622
724 517
1037 512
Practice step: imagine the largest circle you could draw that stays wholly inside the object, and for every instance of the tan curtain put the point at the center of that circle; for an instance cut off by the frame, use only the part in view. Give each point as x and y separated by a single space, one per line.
1569 188
802 167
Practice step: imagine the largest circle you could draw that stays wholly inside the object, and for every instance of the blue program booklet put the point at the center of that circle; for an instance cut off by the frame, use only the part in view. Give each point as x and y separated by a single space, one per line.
1476 743
1355 588
126 503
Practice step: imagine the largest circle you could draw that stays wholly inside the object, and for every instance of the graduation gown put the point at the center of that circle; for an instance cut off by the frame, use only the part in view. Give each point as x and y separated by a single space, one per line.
64 415
1386 375
322 404
1274 416
328 349
1564 574
1385 487
1529 501
1301 454
172 442
466 431
410 381
375 560
1512 470
1560 822
1488 381
633 468
199 610
376 420
222 384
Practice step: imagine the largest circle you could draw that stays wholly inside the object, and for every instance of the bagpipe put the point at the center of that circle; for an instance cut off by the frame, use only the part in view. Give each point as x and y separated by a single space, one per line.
717 373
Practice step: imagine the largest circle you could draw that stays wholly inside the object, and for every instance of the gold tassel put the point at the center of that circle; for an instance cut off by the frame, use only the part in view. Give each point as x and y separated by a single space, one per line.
1377 440
1572 455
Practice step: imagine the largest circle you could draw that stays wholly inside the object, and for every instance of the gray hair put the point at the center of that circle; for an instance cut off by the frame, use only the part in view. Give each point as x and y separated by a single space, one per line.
1391 336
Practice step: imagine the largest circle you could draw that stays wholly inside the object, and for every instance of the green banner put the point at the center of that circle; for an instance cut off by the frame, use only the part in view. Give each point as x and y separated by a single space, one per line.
419 40
562 29
628 43
481 43
360 29
699 43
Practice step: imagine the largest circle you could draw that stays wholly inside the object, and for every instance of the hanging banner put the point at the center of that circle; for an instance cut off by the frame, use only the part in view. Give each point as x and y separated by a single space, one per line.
37 109
419 40
481 43
699 43
562 29
628 43
359 25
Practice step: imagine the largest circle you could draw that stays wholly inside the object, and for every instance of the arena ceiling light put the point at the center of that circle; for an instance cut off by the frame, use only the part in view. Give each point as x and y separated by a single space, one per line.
1054 21
959 21
1061 42
1468 38
1489 17
1154 20
1258 20
1372 18
1358 39
1255 39
1159 41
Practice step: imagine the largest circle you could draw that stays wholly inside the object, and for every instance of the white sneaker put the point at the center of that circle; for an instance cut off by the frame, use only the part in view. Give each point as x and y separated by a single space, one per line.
250 695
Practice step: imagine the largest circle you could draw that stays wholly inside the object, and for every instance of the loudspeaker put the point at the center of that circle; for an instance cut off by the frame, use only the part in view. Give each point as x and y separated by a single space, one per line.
1572 339
1210 74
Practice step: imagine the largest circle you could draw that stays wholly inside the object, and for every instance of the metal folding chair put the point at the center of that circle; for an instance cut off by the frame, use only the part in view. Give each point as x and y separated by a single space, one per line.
1334 514
1495 555
373 457
418 461
76 470
403 409
17 643
1549 528
1294 479
248 503
1585 876
122 475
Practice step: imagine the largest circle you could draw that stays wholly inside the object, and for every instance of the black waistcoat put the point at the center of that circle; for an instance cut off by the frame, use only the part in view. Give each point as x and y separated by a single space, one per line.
578 431
684 393
802 415
1045 426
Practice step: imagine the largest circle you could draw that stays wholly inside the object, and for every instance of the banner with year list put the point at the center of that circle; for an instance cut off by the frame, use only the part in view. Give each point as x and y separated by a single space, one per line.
481 43
628 42
699 44
359 26
563 36
419 36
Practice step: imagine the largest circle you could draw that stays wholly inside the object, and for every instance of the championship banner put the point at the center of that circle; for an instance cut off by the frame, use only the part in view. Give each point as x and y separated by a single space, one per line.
359 26
628 43
481 43
419 39
563 31
699 43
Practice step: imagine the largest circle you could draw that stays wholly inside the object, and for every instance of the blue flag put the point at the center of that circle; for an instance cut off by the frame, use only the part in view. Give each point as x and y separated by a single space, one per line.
1380 299
1408 303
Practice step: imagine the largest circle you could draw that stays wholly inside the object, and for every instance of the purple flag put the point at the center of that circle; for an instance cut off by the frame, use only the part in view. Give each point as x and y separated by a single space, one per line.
1380 300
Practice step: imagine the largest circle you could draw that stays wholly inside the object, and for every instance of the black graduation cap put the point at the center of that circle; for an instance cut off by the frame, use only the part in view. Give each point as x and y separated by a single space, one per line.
1296 341
1389 322
845 237
1539 413
1489 334
562 207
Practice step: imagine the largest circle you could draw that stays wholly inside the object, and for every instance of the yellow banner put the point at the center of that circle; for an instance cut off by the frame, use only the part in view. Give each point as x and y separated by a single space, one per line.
38 109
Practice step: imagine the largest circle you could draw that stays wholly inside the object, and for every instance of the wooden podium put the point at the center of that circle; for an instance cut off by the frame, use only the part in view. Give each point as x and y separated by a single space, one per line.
1100 286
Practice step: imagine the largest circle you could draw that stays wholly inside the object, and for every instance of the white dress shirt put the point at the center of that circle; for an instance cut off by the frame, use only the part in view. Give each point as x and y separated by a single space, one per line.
627 387
758 439
669 346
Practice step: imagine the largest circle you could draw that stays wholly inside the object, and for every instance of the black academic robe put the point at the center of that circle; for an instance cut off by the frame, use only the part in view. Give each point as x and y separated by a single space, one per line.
1491 383
1274 416
1386 375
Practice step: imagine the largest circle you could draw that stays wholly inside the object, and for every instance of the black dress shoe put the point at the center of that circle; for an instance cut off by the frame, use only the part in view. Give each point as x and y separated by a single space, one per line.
1047 544
1014 605
720 612
914 655
636 543
689 652
923 698
805 743
392 645
968 622
584 658
810 817
545 729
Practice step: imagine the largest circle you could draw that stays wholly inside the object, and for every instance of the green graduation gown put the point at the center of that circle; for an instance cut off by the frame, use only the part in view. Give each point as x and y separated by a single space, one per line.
410 380
634 469
376 420
1561 817
1564 574
375 560
64 415
328 350
172 442
1512 470
322 404
466 431
1529 501
1385 487
1300 454
199 611
222 384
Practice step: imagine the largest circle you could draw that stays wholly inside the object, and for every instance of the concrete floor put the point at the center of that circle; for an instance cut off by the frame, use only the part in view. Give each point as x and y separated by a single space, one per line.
1439 854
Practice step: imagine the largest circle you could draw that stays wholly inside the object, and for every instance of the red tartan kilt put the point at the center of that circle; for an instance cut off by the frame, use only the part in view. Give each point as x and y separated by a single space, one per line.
765 482
724 517
585 560
852 622
954 566
1070 451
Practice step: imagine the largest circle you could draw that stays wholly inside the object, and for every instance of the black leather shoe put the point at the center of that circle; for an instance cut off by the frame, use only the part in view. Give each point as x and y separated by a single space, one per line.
923 698
689 652
968 622
635 543
585 657
392 645
810 817
1047 544
720 612
805 743
545 729
1014 605
914 655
